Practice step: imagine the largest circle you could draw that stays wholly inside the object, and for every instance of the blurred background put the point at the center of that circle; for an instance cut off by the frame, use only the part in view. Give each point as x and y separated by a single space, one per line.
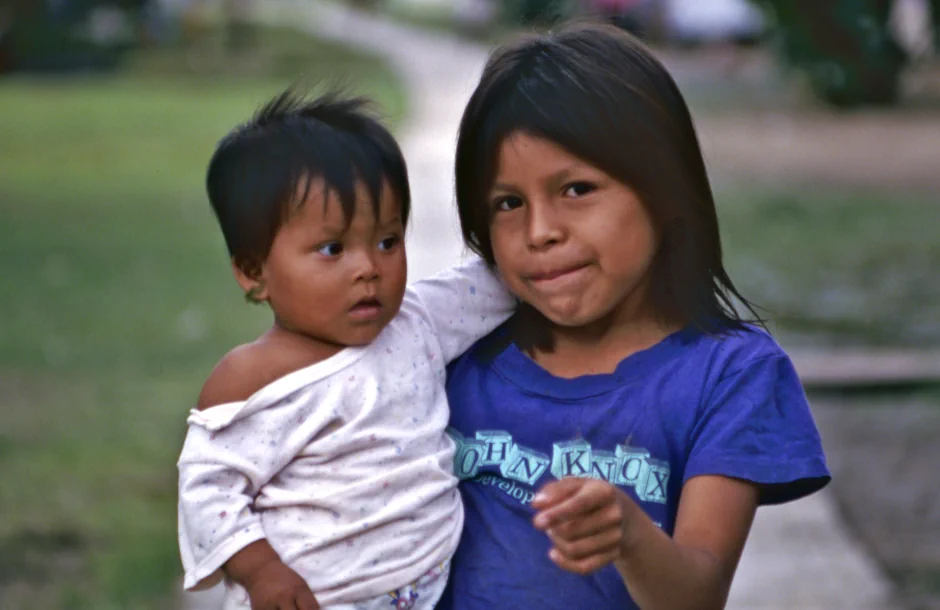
820 121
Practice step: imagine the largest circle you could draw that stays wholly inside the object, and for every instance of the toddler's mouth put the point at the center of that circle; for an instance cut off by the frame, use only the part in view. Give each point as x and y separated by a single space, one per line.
366 309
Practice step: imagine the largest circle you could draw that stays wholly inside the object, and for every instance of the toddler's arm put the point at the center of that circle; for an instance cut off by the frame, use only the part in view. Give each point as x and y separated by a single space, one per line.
463 304
270 583
230 452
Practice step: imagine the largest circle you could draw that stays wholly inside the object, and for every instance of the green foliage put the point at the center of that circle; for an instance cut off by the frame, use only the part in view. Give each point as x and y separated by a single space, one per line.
46 37
537 12
837 268
844 47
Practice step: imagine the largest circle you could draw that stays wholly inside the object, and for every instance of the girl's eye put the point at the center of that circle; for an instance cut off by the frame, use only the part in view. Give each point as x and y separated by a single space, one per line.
579 189
505 204
389 242
334 248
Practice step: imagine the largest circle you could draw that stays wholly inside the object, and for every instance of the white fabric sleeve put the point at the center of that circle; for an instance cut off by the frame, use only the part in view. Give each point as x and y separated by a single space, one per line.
230 452
463 304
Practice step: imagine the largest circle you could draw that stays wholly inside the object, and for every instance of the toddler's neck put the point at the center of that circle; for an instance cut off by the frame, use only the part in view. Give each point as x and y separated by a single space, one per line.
286 351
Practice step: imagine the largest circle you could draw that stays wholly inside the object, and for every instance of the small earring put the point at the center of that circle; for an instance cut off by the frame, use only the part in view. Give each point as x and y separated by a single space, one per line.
253 294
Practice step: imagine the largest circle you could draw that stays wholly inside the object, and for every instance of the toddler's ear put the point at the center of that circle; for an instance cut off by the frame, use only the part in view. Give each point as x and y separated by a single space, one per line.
253 285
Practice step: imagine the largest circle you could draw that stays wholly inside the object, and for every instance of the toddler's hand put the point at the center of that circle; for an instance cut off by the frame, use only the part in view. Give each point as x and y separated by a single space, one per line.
586 520
274 586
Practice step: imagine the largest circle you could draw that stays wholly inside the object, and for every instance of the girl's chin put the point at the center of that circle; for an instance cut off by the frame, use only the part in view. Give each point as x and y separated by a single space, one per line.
569 316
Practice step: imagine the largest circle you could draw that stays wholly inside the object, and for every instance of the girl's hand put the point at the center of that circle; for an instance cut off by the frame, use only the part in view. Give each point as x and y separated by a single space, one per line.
587 521
274 586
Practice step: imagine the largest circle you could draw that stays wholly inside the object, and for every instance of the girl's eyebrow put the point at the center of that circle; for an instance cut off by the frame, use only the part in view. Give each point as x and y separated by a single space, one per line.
555 180
561 176
499 186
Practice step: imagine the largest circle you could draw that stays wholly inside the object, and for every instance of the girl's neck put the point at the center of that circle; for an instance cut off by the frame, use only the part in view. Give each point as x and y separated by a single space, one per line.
598 348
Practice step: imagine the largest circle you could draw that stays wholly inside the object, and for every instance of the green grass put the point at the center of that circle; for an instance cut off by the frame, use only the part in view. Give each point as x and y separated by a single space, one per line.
834 267
919 587
117 301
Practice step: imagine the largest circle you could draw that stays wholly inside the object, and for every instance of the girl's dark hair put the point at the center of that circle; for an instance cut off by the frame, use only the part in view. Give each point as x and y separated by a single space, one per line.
256 170
600 94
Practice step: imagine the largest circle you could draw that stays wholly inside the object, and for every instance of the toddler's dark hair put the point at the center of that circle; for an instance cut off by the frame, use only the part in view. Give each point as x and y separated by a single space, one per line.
259 168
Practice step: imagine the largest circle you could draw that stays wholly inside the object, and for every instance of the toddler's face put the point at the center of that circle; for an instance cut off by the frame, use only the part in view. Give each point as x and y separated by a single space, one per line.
569 239
337 283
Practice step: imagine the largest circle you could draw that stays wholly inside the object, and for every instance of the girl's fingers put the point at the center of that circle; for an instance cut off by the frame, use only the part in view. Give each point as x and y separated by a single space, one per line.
587 497
582 566
602 543
606 518
556 491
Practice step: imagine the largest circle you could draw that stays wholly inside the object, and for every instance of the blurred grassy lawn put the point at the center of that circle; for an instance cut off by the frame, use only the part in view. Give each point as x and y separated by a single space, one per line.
117 301
832 264
837 267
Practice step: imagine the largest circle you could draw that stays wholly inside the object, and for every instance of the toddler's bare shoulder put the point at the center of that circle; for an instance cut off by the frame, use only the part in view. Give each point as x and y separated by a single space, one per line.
239 374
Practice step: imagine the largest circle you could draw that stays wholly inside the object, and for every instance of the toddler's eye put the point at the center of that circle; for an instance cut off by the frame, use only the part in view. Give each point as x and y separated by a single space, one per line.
505 204
579 189
334 248
389 242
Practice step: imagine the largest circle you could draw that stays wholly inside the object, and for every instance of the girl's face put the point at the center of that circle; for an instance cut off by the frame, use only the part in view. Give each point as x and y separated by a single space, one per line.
337 283
570 240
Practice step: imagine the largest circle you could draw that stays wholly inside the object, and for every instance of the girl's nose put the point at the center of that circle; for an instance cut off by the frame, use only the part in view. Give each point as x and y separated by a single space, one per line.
544 227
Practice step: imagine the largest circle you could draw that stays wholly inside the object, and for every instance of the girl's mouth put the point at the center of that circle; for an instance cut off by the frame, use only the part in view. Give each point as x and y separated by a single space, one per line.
552 275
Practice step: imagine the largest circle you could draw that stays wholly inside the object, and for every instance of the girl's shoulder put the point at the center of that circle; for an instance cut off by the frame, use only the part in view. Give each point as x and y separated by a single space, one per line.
733 348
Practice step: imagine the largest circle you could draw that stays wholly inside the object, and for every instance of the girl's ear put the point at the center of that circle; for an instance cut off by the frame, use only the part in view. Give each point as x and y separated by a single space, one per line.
255 289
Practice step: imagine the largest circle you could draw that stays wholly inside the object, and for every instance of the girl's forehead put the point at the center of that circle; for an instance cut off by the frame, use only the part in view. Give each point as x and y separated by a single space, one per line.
522 152
521 142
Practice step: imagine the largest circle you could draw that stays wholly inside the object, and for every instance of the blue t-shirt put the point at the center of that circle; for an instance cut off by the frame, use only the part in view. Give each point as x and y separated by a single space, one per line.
691 405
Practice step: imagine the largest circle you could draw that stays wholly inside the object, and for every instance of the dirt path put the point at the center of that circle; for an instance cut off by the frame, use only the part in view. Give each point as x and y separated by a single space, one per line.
757 130
882 151
883 452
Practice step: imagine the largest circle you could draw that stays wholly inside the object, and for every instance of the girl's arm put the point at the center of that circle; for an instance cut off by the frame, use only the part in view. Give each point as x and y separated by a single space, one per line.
592 524
695 567
754 441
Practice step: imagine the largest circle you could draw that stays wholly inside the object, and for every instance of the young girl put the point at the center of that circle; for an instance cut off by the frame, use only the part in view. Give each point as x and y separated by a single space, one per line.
316 471
615 438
